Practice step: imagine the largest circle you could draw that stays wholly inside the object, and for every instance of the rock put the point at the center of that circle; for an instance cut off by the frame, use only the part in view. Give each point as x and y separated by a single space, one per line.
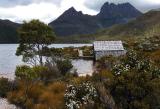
5 105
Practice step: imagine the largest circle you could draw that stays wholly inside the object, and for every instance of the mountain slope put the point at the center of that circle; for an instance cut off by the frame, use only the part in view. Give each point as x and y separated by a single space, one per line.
144 26
147 25
8 32
72 22
111 14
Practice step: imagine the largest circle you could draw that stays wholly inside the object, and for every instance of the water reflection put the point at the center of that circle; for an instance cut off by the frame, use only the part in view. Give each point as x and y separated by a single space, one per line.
84 67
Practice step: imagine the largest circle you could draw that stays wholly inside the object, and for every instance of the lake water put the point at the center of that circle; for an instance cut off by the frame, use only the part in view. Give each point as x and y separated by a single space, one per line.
8 60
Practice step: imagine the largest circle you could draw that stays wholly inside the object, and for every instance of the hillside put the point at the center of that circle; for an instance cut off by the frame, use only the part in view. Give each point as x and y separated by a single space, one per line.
144 26
147 25
111 14
72 22
8 32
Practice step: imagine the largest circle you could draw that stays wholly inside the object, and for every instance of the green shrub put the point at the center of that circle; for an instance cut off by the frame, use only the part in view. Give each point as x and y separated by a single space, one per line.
136 81
25 72
64 66
5 87
42 73
34 73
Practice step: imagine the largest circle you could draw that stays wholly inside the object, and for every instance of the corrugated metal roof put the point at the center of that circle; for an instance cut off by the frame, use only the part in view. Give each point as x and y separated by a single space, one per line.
108 45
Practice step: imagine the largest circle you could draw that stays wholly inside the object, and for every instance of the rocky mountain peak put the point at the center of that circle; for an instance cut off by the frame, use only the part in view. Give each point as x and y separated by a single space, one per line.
110 10
70 13
71 10
73 22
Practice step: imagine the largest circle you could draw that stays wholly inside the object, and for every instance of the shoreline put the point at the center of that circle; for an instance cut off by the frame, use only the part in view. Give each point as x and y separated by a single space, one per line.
4 104
9 76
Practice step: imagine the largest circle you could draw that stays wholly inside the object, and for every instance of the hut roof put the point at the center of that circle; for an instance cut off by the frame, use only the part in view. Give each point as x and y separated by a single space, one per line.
108 45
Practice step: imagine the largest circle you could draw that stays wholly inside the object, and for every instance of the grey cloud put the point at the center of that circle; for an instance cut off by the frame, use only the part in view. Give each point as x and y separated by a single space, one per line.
12 3
146 8
142 5
97 4
57 2
94 4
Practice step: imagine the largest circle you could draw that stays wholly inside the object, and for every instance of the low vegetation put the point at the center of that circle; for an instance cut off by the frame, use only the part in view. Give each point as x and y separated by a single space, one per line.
72 52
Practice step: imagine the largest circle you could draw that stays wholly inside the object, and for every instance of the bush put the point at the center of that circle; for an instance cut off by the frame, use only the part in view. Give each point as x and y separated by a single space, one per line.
106 100
103 76
80 95
51 100
56 87
107 62
5 87
51 65
25 72
16 97
53 95
136 81
39 96
80 80
35 73
64 66
43 73
36 91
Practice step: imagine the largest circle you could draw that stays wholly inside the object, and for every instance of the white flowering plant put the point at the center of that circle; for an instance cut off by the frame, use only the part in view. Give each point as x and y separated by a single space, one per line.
133 61
78 95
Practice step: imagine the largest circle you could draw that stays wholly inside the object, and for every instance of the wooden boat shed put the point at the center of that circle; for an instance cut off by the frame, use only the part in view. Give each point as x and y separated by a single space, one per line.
107 48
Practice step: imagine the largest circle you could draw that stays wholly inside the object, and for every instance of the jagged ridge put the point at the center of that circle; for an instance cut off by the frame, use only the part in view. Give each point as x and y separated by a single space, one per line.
72 22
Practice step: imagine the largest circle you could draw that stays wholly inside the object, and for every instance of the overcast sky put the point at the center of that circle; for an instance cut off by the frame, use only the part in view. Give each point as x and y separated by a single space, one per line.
48 10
